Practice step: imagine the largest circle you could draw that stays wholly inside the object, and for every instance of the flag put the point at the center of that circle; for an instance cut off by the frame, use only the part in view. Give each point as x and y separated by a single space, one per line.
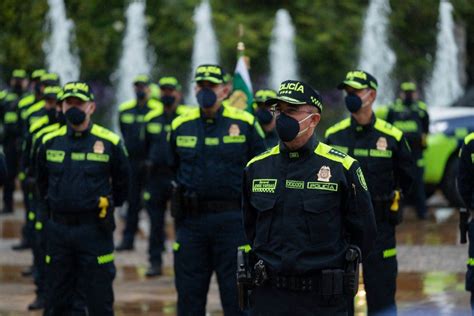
242 97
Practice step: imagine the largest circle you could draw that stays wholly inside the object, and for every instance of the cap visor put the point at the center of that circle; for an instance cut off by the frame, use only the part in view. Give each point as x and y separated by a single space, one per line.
352 84
168 86
75 95
273 101
210 79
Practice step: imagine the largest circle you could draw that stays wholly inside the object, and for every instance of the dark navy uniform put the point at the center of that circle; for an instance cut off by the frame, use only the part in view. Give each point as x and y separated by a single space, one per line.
132 127
386 161
413 120
76 171
466 190
209 155
159 175
11 144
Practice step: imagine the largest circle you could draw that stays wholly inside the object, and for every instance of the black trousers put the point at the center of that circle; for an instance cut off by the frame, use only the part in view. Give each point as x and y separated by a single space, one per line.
80 270
380 269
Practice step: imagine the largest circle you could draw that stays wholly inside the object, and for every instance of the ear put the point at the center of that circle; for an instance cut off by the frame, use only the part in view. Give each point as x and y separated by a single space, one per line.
92 108
315 120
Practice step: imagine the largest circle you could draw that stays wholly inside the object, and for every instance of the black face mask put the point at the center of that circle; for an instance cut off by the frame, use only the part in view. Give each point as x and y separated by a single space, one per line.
38 88
140 95
408 99
206 98
264 116
75 116
353 102
51 113
168 100
17 88
288 128
60 118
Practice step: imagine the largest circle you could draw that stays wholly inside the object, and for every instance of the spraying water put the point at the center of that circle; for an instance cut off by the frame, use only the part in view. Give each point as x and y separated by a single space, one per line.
283 61
445 87
135 59
376 56
60 57
206 48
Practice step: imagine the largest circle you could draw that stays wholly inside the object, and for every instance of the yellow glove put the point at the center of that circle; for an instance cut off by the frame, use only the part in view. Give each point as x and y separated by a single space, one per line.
103 206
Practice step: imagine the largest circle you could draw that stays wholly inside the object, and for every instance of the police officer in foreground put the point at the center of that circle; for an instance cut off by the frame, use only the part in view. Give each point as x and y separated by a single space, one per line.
209 146
304 204
386 162
465 182
132 126
82 175
264 116
159 173
410 115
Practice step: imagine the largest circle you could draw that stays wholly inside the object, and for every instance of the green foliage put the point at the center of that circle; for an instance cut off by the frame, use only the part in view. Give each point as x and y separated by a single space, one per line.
327 42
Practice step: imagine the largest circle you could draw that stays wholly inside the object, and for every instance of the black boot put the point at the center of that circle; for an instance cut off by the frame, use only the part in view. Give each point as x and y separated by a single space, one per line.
123 246
153 271
38 303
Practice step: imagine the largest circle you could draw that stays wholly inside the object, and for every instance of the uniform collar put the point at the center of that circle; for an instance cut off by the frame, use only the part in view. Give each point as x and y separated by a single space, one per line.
304 151
362 128
74 134
214 119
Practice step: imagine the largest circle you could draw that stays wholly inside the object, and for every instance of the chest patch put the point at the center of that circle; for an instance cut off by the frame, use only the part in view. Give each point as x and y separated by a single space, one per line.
264 185
234 130
324 174
99 147
382 143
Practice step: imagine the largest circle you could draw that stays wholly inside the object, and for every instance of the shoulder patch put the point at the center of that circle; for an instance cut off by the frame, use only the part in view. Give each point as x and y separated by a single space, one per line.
238 114
187 116
469 138
153 113
272 151
338 127
25 101
38 124
154 104
127 105
388 129
32 109
334 155
59 132
104 133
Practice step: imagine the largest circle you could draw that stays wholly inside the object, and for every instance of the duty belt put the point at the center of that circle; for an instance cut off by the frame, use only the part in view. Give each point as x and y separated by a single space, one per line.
296 283
75 219
218 206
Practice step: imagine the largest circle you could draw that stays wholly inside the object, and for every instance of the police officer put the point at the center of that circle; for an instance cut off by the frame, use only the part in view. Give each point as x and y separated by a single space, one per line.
29 114
303 204
386 161
52 121
159 175
12 133
210 146
410 115
82 175
132 126
36 91
265 117
466 189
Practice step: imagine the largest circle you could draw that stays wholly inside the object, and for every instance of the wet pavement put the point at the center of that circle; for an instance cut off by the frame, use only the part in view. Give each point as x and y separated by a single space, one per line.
430 282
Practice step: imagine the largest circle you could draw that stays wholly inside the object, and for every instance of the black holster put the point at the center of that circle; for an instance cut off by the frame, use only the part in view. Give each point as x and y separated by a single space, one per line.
245 280
351 271
177 200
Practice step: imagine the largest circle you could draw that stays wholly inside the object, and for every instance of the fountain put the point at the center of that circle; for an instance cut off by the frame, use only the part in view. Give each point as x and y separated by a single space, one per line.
135 57
282 51
61 58
444 87
206 48
376 56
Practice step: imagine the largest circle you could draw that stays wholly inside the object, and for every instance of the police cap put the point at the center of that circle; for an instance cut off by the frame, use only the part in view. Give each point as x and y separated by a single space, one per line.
78 89
408 86
297 93
211 73
170 83
359 79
